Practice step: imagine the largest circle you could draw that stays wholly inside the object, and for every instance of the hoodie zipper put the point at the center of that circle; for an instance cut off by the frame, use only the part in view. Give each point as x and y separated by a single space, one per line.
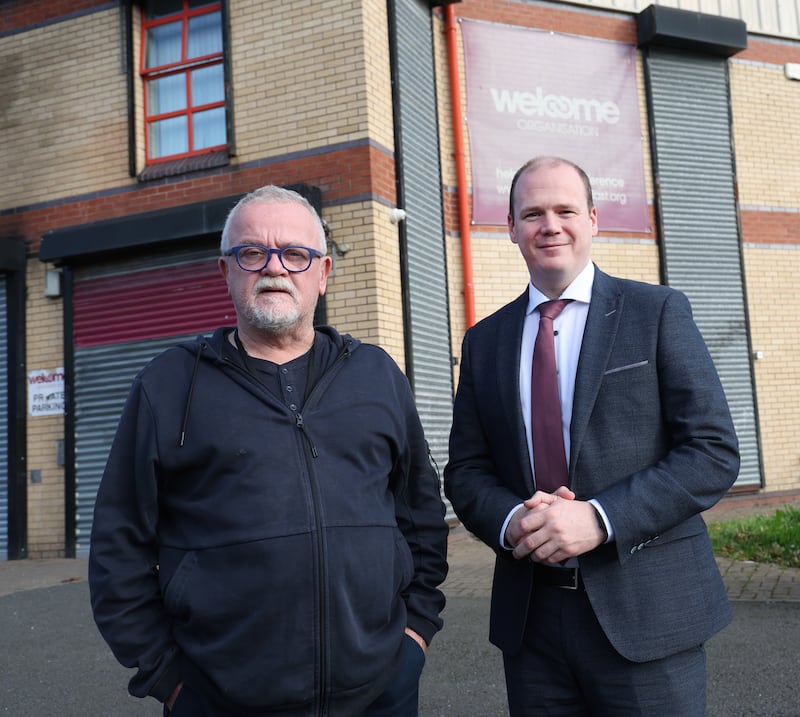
321 561
323 593
300 423
311 450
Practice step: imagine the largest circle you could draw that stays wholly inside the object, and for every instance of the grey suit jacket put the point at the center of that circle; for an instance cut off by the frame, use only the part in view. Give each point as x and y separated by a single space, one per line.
651 439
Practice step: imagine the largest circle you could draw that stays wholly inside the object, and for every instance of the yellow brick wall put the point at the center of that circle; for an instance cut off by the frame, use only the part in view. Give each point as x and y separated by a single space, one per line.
44 339
772 275
309 75
62 135
364 294
377 74
500 273
765 108
630 258
328 83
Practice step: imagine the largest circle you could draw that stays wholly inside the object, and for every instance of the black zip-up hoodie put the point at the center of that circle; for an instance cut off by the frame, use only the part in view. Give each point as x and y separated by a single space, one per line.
269 558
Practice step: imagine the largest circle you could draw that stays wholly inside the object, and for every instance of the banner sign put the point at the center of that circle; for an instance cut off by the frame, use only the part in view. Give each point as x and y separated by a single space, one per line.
531 93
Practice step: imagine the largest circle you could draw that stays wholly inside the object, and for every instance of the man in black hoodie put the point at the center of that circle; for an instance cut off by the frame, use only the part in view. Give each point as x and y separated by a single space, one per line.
268 535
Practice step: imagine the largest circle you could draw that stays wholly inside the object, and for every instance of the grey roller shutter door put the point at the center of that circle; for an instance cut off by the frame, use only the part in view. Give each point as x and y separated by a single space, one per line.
701 250
104 370
4 411
103 376
429 327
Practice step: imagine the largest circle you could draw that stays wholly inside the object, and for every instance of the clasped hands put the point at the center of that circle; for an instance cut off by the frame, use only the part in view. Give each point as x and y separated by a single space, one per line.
552 527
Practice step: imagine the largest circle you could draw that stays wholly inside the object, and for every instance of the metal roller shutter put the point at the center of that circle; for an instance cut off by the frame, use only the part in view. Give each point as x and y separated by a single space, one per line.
701 250
428 325
124 314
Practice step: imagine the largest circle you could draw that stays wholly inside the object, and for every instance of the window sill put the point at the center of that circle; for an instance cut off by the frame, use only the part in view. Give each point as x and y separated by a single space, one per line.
220 158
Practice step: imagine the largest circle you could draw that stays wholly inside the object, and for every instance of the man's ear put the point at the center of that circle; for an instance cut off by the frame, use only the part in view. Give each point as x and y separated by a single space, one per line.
224 267
325 269
512 229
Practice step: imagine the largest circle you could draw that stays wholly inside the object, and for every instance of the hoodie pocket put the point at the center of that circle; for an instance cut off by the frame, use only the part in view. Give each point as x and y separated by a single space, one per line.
370 569
246 611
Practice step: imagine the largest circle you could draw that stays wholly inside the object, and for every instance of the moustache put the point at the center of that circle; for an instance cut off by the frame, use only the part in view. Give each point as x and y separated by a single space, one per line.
274 284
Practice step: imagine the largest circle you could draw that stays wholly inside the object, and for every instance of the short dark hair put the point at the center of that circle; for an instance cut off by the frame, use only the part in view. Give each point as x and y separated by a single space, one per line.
547 161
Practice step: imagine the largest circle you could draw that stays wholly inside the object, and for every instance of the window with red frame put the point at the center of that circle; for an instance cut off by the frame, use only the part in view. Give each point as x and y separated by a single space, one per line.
184 78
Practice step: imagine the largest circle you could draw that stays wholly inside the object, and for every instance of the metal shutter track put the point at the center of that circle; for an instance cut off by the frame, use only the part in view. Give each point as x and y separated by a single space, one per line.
3 420
427 273
701 248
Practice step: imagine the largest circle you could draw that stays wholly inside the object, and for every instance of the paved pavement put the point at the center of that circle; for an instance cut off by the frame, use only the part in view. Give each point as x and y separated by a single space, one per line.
53 662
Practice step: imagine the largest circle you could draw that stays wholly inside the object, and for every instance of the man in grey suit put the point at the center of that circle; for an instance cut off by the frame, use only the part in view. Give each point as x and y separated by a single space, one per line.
605 589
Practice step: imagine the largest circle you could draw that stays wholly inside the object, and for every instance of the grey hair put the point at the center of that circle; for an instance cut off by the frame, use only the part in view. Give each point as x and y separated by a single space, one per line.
272 194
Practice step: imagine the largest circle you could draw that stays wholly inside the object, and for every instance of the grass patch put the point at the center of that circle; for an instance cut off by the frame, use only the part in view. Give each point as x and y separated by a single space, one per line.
762 538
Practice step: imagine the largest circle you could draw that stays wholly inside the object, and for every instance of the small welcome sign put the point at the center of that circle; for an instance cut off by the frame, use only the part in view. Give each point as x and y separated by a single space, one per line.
46 392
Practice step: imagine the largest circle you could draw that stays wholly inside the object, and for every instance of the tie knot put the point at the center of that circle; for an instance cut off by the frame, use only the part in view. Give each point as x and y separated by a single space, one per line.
551 309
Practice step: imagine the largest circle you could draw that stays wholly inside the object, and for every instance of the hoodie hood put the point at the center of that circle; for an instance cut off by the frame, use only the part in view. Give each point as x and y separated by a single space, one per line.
212 348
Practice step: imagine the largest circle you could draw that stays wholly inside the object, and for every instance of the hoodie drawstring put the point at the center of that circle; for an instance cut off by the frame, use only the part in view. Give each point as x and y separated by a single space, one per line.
189 397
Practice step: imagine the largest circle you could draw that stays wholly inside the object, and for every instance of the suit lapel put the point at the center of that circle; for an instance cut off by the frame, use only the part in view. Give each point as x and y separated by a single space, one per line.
602 323
506 377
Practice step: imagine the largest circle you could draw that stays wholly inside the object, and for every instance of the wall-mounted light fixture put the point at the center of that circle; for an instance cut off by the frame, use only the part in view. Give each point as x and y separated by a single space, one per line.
337 250
52 284
397 215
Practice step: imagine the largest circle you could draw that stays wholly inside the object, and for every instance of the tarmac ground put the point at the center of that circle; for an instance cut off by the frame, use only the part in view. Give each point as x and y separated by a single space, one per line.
53 662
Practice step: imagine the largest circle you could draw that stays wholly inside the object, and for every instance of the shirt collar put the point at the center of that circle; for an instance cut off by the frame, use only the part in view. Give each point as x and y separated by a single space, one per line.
579 290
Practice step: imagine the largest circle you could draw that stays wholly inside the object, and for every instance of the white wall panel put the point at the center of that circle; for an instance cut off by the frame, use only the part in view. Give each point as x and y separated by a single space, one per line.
778 18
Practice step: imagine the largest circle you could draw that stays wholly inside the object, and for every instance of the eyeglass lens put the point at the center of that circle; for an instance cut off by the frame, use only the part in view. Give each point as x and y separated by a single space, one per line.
293 258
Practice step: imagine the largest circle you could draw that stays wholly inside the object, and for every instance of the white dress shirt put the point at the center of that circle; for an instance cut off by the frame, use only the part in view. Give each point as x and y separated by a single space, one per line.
568 329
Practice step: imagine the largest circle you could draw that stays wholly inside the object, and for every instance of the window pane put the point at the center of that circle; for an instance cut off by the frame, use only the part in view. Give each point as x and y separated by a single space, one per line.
205 35
201 3
166 94
209 128
169 136
155 9
164 44
208 85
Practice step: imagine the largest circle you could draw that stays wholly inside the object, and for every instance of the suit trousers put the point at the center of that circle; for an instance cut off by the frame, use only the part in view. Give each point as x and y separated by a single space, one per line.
567 667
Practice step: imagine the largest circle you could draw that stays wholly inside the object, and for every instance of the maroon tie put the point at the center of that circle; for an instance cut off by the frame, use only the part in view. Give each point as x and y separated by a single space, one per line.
549 457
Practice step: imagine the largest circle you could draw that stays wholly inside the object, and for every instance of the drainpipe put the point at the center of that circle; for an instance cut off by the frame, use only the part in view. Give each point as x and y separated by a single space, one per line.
461 166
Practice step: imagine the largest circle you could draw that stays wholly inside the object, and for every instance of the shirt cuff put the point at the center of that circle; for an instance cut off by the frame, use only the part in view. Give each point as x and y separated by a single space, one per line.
503 543
604 518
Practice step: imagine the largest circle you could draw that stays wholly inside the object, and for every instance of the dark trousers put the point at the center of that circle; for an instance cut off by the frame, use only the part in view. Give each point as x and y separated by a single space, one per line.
568 668
399 699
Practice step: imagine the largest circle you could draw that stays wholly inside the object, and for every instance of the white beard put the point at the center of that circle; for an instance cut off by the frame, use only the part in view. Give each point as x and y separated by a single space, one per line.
272 318
270 313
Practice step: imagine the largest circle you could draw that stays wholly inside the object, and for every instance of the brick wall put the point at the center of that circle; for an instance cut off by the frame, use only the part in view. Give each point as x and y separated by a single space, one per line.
774 303
765 108
312 101
65 110
44 339
312 104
